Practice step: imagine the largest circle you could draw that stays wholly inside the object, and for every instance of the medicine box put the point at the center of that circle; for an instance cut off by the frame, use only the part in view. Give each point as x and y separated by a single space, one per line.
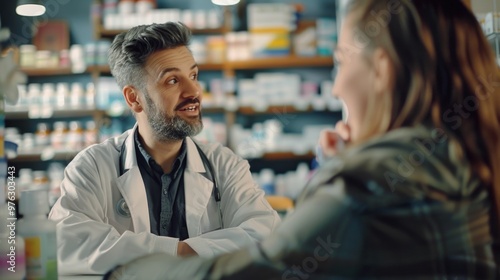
270 43
491 23
326 29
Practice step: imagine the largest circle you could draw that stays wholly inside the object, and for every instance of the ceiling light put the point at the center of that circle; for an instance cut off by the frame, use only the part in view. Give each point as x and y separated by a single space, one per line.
225 2
30 8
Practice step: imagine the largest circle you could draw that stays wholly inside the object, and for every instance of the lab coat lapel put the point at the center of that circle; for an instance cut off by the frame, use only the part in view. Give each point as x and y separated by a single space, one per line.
197 188
131 186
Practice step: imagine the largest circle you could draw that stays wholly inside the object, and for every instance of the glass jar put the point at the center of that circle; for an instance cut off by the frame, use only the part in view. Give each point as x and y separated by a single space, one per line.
28 143
59 135
62 95
43 59
75 136
28 53
42 135
90 53
77 95
90 134
216 49
25 180
34 92
64 60
144 6
90 96
47 99
40 181
126 7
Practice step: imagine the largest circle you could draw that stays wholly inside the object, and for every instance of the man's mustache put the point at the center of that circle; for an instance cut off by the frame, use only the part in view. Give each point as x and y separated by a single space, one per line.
187 102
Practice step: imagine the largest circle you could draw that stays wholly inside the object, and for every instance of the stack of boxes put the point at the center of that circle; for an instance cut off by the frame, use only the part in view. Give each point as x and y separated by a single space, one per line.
326 29
491 23
270 26
318 40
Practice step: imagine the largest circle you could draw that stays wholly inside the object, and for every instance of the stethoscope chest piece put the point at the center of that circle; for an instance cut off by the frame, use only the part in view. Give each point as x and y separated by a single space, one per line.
122 208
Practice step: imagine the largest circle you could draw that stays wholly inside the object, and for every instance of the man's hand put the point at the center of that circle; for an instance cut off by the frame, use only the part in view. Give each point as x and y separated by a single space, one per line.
184 250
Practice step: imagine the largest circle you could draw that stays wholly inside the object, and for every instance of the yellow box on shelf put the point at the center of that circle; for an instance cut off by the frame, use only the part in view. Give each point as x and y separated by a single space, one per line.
265 42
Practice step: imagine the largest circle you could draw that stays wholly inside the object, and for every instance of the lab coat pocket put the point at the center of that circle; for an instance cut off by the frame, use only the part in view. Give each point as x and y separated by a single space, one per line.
211 220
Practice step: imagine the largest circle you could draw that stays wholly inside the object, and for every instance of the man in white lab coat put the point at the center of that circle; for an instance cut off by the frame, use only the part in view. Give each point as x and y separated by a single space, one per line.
153 189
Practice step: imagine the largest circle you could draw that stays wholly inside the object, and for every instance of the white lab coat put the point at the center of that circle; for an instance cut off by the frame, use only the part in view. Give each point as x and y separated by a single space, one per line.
93 237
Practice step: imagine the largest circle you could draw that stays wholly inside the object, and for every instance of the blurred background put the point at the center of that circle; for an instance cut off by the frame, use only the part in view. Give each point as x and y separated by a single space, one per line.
265 68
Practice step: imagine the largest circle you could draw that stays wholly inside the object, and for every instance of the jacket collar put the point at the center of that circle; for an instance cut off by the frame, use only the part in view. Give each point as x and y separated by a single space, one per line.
194 161
128 155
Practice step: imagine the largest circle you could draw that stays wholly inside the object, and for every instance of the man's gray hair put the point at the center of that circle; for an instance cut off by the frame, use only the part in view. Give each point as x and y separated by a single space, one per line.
130 50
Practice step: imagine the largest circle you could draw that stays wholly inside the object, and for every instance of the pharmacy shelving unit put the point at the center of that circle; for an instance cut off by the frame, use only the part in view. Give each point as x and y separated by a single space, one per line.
487 13
24 116
230 69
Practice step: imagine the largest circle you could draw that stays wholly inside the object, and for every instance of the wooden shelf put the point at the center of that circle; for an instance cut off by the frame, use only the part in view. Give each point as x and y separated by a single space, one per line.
44 154
202 66
287 156
99 69
210 66
220 30
279 110
276 109
25 113
21 114
48 71
281 62
258 63
41 72
109 33
50 154
212 110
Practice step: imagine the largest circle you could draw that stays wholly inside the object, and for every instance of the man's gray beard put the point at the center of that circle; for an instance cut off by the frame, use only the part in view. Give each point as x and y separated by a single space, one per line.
167 128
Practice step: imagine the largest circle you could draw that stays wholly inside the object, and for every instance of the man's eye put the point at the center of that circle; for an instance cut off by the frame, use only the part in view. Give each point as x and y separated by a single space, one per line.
194 77
172 81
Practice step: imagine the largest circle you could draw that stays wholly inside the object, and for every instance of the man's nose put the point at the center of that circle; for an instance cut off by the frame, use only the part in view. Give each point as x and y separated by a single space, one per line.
191 90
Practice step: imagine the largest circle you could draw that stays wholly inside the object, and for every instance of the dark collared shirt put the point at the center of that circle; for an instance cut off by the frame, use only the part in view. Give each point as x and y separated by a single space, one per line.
165 193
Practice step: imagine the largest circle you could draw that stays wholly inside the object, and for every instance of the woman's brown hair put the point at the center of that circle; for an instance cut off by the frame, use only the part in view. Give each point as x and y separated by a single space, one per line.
445 74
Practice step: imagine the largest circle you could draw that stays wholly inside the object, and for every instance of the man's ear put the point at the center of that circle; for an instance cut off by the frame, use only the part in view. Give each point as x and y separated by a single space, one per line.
131 95
384 71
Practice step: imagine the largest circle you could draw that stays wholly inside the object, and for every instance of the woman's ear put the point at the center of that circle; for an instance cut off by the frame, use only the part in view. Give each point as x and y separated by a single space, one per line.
383 71
132 98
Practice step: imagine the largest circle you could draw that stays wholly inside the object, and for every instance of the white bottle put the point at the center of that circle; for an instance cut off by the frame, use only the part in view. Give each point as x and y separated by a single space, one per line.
39 235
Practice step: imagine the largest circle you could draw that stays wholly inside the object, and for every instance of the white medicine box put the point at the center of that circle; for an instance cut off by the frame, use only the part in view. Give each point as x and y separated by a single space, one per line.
491 23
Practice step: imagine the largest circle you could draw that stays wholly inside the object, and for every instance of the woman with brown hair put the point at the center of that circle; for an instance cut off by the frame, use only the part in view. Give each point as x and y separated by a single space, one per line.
416 193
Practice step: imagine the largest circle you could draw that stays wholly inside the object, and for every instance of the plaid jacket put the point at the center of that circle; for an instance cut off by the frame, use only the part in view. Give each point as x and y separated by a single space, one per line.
398 207
401 206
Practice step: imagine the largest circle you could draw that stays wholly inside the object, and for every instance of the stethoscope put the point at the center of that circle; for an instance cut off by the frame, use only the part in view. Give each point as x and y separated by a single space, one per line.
121 206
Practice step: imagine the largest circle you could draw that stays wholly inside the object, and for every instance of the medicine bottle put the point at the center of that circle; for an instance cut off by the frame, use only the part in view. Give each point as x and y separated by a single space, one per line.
40 181
42 135
28 53
90 134
39 235
75 136
59 135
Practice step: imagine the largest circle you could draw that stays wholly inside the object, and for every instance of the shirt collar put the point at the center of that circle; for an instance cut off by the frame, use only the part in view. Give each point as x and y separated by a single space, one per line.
155 167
